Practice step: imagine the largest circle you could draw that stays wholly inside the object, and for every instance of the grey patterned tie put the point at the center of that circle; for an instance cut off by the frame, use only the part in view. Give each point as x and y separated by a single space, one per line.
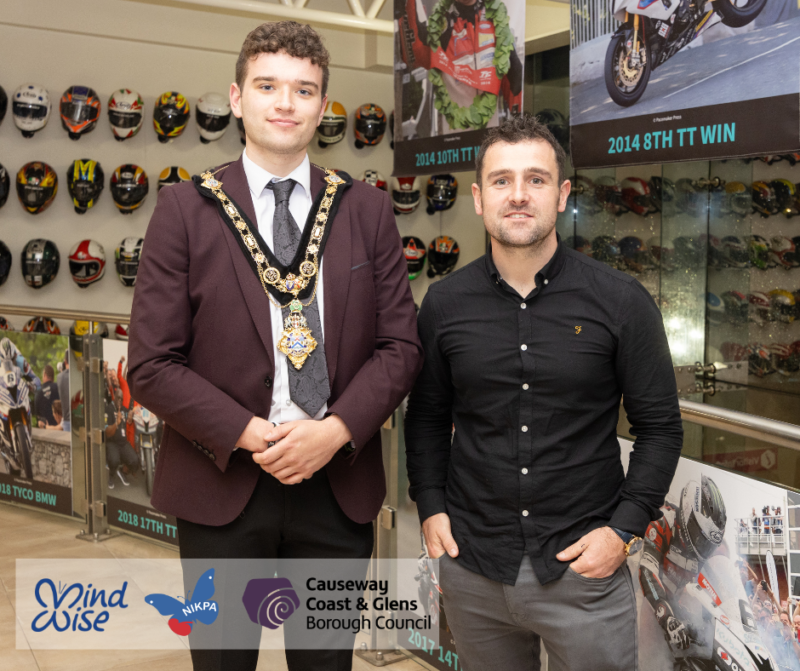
309 387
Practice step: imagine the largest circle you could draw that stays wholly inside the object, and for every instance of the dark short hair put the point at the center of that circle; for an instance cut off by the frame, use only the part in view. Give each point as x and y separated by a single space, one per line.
521 128
48 371
295 39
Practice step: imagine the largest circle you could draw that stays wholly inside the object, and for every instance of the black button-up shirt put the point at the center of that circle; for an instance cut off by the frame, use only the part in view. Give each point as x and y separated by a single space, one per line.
532 387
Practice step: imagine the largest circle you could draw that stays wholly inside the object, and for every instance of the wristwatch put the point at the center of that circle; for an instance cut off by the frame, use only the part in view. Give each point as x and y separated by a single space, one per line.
632 543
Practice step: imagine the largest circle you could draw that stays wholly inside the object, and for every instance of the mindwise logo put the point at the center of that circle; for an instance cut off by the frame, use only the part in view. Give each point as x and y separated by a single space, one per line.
196 607
270 601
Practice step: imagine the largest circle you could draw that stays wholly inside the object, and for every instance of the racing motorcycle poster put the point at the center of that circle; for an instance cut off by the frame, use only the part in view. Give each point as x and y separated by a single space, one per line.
458 71
703 595
35 439
657 81
133 438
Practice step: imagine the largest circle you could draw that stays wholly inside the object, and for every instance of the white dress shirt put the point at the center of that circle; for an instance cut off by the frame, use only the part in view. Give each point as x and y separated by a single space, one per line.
283 408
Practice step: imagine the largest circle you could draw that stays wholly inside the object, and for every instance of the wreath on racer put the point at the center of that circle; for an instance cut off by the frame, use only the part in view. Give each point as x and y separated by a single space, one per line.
483 106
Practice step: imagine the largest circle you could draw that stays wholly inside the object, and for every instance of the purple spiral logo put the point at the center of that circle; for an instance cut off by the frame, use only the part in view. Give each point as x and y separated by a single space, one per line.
270 601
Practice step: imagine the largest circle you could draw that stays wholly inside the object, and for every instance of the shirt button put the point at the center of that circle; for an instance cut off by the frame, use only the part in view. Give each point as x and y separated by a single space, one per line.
524 513
524 347
524 429
288 401
524 305
524 471
525 386
545 281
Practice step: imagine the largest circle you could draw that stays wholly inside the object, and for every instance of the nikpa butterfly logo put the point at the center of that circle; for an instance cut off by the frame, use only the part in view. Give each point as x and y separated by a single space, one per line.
196 607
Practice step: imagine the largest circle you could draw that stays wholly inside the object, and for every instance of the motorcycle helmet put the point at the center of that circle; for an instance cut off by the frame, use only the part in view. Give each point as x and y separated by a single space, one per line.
783 305
579 244
784 359
606 249
374 178
87 262
5 263
127 257
442 255
441 193
764 201
662 194
370 125
125 113
37 186
242 134
557 124
635 254
583 190
391 129
791 159
3 104
84 183
689 252
664 256
736 306
30 108
732 351
414 251
636 196
173 175
760 308
41 325
5 185
735 252
737 199
4 325
715 309
81 327
80 110
785 197
170 116
702 517
333 127
121 332
406 194
783 252
40 261
713 245
213 116
129 187
688 199
759 252
759 360
609 195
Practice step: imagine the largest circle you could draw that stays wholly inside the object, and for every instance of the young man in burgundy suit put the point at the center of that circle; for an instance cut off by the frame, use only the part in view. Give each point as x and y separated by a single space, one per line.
266 264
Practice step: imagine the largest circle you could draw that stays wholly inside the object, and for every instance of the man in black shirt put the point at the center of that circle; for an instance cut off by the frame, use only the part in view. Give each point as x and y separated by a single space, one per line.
43 403
528 351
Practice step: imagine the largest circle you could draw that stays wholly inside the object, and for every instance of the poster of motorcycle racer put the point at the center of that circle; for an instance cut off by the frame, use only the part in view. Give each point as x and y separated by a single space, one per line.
656 81
458 71
703 595
133 436
35 436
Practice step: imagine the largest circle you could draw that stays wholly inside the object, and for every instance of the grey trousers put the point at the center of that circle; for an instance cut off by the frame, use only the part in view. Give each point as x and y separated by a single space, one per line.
586 624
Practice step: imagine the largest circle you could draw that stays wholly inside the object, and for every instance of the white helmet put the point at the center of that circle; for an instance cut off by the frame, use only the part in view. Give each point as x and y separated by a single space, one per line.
125 113
406 194
31 108
702 517
213 116
374 178
8 350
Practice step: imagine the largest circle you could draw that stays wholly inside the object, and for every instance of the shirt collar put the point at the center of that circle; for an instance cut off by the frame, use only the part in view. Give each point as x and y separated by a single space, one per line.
548 272
258 178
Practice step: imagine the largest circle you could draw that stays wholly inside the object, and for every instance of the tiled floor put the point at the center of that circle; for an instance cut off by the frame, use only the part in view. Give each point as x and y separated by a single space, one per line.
31 534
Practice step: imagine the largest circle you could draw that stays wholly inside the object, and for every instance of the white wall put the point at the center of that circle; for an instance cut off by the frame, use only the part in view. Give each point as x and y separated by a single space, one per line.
58 59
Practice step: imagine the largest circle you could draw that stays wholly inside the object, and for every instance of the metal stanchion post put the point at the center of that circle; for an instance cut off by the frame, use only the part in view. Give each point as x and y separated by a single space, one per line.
96 528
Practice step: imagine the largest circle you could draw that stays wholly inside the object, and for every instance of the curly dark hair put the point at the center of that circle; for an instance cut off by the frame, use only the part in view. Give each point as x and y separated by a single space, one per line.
296 39
521 128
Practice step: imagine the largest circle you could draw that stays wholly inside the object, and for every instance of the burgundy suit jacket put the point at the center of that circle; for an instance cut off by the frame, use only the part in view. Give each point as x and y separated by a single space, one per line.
202 357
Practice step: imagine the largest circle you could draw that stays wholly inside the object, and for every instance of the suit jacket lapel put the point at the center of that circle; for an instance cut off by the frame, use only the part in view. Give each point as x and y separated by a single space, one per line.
335 275
235 185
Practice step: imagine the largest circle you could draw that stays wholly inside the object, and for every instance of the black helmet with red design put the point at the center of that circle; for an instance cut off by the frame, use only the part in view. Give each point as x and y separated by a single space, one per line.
4 325
406 194
414 251
41 325
370 125
374 178
636 196
87 262
129 187
442 255
80 110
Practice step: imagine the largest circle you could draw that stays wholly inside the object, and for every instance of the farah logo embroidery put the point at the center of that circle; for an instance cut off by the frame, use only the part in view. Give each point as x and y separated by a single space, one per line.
578 329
